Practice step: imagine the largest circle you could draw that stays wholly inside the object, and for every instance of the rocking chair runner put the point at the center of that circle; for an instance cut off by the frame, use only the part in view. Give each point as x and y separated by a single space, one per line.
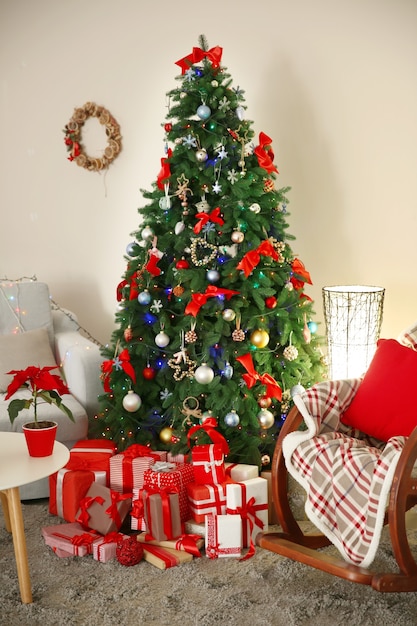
294 544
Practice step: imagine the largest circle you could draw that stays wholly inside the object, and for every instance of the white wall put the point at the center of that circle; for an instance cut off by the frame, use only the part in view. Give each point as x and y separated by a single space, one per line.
333 82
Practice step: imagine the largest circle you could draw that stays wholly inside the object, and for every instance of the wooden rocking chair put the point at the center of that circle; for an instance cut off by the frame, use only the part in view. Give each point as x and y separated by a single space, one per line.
305 548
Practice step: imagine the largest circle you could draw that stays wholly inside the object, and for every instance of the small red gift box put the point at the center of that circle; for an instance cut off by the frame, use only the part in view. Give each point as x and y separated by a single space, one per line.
208 459
188 542
103 510
173 479
204 499
68 486
127 468
69 539
162 514
104 549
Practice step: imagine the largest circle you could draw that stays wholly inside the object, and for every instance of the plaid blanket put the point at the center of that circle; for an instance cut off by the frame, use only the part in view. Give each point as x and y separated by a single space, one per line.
346 474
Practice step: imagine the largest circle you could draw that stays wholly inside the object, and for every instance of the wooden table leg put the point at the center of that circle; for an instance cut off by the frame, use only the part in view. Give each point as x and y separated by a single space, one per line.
5 506
19 542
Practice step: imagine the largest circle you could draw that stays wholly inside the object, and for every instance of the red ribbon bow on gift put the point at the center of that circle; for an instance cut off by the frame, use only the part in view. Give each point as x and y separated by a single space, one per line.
136 450
112 511
198 299
273 390
112 537
252 258
214 55
85 503
86 539
188 543
165 171
265 154
120 362
214 216
209 426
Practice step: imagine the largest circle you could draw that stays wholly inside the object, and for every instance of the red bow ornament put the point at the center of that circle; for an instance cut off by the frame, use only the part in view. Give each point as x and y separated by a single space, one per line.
133 291
252 258
214 55
265 154
121 362
198 299
273 390
299 270
214 216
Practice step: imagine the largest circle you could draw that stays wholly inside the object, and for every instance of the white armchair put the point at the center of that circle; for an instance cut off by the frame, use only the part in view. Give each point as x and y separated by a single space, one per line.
33 333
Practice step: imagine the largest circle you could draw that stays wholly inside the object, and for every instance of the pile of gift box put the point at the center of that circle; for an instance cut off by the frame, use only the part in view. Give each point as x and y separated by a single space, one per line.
175 506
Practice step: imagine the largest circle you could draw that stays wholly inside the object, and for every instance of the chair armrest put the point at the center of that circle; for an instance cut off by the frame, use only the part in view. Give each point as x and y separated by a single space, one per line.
80 360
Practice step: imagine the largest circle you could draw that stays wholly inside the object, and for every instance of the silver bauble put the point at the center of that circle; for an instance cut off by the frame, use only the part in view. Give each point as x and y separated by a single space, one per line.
240 112
232 419
144 297
237 236
255 208
203 112
212 276
297 390
147 233
179 227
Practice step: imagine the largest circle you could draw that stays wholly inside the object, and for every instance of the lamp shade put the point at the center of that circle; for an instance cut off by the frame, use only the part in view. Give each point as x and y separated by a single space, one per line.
353 318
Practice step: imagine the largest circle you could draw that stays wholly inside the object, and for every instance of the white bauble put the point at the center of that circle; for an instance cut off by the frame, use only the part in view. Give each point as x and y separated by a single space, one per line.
147 233
179 227
228 315
204 374
213 276
132 402
162 339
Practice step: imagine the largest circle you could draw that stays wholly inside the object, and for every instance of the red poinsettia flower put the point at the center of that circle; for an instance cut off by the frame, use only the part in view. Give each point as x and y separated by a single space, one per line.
42 385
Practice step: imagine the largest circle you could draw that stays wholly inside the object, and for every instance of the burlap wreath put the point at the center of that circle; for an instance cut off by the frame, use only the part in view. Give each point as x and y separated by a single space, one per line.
73 137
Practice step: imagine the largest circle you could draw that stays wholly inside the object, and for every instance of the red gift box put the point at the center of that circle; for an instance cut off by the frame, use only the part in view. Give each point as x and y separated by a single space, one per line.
176 479
69 539
204 499
103 510
128 467
68 486
208 463
94 446
208 459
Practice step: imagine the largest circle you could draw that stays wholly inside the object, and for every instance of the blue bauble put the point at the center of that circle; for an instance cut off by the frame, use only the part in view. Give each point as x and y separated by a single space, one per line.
312 326
232 419
203 112
228 371
144 297
132 248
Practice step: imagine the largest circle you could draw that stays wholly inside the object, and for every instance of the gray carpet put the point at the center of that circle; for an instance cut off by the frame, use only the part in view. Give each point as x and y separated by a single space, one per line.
266 590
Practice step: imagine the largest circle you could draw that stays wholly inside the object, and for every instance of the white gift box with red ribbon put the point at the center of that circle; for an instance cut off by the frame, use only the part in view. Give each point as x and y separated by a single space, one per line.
223 536
249 500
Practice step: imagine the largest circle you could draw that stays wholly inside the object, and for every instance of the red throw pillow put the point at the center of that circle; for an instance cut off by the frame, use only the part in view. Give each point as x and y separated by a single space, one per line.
385 404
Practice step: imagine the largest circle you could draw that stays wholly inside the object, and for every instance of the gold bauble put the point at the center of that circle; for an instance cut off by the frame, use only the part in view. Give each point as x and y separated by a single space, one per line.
166 435
259 338
264 402
266 419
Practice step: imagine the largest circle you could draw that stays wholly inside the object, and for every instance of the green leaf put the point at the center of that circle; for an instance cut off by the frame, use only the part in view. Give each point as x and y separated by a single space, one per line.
15 406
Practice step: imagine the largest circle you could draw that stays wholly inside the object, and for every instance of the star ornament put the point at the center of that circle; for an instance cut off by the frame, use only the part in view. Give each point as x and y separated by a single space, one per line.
216 187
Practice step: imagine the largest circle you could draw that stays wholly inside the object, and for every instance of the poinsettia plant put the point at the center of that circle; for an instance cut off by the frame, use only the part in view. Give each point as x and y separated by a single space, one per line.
43 386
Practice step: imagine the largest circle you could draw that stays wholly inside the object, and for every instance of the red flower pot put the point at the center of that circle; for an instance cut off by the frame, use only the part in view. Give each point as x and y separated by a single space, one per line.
40 441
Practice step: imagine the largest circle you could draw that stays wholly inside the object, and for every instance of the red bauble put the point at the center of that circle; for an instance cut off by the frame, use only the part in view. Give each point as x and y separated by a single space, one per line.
182 264
264 402
148 373
129 552
271 302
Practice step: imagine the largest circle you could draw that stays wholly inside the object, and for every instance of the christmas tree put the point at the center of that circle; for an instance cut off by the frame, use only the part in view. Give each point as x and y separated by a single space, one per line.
213 321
